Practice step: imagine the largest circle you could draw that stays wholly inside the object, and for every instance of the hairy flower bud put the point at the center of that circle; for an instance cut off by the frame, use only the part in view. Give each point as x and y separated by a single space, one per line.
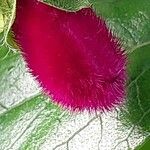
74 56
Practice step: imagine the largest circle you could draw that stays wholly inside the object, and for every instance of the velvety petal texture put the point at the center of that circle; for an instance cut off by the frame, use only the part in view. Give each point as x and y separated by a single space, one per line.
73 55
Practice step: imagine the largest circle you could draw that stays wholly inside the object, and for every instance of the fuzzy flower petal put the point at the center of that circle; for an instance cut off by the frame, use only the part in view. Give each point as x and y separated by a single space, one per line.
73 55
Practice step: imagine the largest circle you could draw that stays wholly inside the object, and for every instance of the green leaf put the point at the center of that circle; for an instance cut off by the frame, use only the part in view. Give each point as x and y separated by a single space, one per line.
145 145
70 5
129 19
28 119
34 118
1 22
138 99
7 13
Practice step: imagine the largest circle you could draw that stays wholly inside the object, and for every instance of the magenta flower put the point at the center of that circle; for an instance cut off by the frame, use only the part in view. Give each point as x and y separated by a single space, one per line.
74 56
